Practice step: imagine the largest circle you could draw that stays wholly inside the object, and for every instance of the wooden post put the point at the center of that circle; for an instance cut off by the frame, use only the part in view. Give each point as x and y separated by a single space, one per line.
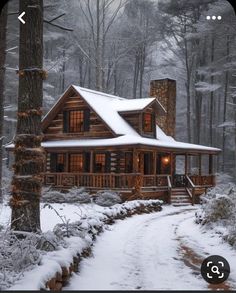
135 161
210 164
186 164
141 158
154 162
155 167
200 165
172 169
67 162
91 162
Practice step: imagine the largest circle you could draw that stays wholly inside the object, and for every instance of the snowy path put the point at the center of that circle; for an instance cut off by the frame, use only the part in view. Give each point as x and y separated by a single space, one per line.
154 251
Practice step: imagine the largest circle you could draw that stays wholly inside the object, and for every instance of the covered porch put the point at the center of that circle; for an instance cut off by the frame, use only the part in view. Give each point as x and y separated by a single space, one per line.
141 172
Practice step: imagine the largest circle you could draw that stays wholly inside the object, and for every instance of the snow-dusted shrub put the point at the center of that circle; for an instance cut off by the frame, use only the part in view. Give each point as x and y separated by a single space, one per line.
219 204
107 198
49 241
218 211
230 237
16 256
74 195
79 195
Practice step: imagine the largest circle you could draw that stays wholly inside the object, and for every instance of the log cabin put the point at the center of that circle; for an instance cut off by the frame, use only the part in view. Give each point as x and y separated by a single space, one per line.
100 141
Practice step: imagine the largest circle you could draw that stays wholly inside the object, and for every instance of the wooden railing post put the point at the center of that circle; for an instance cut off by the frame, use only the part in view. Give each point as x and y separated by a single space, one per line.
169 189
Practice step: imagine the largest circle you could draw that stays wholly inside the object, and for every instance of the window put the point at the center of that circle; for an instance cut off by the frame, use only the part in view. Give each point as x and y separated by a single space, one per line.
57 162
76 163
147 122
128 162
102 162
76 121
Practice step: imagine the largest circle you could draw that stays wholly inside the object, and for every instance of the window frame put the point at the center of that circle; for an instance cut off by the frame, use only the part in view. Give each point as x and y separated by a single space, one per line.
107 162
85 121
69 163
151 115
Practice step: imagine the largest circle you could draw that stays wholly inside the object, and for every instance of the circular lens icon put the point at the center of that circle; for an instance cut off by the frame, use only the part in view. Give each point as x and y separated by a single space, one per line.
215 269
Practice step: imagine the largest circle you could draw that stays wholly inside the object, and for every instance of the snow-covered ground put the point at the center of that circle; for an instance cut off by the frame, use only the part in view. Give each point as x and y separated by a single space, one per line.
155 251
161 250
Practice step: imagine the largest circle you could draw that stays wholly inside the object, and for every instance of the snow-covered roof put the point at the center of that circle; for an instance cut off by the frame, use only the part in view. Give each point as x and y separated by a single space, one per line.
165 142
162 141
105 106
108 107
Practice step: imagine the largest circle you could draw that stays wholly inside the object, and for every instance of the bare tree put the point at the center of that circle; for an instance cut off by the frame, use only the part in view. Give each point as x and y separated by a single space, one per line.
3 29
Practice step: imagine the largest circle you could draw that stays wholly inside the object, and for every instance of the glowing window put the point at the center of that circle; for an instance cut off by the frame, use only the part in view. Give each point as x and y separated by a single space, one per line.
76 121
76 162
147 122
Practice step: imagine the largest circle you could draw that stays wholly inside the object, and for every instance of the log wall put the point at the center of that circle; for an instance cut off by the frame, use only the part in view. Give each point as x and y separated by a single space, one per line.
98 129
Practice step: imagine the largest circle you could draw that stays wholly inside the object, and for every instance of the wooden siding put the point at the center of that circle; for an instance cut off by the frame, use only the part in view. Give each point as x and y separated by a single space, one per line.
97 129
133 119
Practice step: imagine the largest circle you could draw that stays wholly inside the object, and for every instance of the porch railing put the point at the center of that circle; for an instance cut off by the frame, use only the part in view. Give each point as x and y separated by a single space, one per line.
203 180
105 180
190 188
120 180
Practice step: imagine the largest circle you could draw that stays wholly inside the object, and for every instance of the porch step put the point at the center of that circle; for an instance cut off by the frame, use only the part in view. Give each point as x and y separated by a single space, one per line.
180 197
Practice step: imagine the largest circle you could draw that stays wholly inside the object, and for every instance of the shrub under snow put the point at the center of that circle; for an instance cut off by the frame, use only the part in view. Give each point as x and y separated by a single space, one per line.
74 195
107 198
18 255
218 211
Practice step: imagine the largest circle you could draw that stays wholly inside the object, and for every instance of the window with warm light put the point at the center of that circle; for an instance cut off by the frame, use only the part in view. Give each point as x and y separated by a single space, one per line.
147 122
100 163
75 121
76 163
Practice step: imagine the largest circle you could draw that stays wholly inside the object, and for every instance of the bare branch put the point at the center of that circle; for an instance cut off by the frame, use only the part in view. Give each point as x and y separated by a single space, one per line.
58 26
56 17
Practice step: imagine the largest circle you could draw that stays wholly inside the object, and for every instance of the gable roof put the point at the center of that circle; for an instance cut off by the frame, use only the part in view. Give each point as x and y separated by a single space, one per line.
109 109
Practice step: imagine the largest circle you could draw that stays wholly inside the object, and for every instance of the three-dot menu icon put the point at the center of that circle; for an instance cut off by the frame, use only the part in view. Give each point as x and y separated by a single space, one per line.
214 17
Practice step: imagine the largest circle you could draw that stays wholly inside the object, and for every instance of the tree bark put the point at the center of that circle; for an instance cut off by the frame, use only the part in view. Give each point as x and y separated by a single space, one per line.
3 29
98 51
212 93
29 156
225 104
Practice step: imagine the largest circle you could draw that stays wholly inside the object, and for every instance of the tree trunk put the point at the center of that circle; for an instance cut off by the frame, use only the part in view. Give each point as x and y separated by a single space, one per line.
98 51
136 75
187 84
29 156
3 29
63 70
225 105
212 94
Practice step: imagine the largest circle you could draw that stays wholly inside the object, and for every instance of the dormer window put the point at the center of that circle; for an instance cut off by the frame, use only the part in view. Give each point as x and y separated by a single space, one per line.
148 122
76 121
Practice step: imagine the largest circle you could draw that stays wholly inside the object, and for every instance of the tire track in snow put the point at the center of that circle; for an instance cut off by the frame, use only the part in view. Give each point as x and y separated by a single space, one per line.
139 253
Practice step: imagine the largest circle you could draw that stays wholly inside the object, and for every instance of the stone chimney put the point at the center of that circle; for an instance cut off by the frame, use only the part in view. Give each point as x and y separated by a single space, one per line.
165 91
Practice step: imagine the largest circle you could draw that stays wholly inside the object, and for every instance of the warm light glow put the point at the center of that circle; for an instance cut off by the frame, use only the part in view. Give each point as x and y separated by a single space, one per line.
166 160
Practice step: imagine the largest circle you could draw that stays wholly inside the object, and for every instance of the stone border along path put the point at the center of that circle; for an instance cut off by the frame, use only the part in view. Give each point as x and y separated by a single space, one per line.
61 278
